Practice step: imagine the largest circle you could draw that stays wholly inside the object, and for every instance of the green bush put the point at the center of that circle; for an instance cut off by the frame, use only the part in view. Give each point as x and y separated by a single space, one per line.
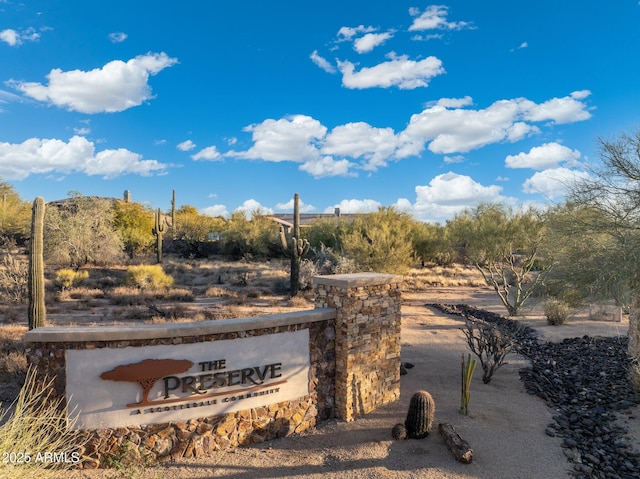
147 277
66 278
556 311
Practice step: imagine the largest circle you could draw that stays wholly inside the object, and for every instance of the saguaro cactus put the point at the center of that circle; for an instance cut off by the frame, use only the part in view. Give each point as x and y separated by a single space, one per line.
420 416
158 230
37 311
294 247
173 213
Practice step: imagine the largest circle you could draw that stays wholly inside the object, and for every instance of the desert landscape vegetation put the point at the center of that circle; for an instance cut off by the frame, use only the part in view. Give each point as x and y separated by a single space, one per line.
113 261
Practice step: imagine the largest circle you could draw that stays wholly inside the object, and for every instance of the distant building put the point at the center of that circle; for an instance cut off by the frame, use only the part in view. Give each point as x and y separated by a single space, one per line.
308 219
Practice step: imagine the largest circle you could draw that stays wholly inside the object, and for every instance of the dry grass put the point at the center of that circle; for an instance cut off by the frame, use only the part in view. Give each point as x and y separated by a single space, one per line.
420 279
13 361
37 425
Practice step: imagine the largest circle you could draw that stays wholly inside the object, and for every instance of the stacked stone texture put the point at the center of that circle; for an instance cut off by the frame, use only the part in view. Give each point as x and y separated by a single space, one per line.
354 369
202 436
367 339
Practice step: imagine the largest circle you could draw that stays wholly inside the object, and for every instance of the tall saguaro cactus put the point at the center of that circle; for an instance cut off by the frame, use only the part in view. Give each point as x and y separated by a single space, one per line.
294 247
173 214
37 311
158 231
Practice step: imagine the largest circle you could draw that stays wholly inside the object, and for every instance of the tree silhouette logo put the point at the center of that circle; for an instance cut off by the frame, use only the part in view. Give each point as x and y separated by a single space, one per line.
146 374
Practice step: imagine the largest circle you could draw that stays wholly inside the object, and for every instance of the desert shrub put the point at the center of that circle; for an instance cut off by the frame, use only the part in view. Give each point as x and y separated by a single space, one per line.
307 271
66 278
147 277
38 424
488 344
556 311
331 261
14 274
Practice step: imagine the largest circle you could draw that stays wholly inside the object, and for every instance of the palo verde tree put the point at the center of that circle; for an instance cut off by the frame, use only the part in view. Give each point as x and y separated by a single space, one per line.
380 241
133 223
80 231
612 196
504 246
15 214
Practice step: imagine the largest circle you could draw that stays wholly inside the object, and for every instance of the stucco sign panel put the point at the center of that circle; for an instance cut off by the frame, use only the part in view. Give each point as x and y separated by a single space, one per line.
119 387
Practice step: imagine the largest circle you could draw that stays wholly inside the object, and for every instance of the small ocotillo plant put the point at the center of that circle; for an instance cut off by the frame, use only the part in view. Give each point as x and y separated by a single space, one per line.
158 230
295 247
489 345
35 283
420 415
468 368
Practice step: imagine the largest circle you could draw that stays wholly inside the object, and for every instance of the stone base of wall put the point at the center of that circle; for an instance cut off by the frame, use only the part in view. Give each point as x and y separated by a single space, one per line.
197 437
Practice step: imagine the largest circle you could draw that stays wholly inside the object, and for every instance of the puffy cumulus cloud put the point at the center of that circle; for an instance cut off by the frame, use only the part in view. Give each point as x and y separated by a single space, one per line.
451 193
210 153
543 157
355 206
368 42
327 166
117 37
361 140
288 206
288 139
398 71
447 127
434 17
115 87
559 110
18 161
322 62
14 38
215 210
186 145
251 207
554 182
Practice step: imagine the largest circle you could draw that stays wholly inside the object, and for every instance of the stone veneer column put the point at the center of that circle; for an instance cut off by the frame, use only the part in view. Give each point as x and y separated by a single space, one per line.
367 338
634 342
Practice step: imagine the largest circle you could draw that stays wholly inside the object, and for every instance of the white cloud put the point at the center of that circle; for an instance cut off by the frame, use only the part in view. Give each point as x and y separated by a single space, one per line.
327 166
82 131
347 33
115 87
288 139
186 145
453 159
559 110
434 17
369 41
14 38
252 206
117 37
356 140
444 127
215 210
322 62
554 182
355 206
542 157
288 206
209 153
399 71
451 193
18 161
458 130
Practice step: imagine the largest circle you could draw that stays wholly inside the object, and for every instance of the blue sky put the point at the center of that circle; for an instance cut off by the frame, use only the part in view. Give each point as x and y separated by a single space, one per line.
431 108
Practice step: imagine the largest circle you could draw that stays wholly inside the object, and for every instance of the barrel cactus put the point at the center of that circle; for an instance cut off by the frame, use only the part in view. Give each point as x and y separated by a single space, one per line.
420 416
399 431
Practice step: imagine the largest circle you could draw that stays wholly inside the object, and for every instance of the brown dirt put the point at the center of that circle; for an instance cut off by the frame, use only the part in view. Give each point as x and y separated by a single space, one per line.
505 426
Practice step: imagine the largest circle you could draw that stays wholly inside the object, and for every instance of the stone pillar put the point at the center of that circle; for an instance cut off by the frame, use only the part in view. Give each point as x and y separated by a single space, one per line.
634 343
367 339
